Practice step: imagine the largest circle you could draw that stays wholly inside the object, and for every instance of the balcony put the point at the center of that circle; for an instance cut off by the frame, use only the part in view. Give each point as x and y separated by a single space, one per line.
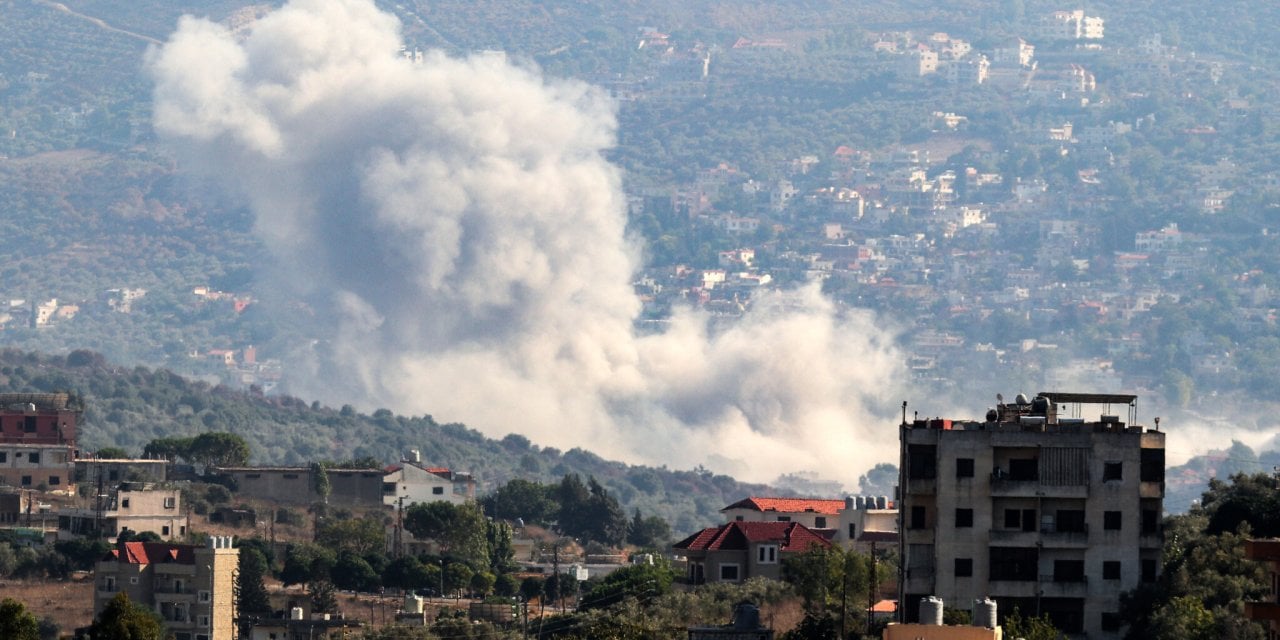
922 486
1151 490
176 569
1013 588
1014 537
1051 537
1052 587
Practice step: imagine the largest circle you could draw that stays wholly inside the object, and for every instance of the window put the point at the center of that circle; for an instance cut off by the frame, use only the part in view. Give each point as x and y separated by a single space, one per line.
728 572
290 476
133 579
170 502
29 424
164 531
1014 563
1024 469
437 491
819 522
964 567
1068 570
26 481
113 475
1111 520
964 518
388 487
1148 570
1152 465
203 596
853 531
738 518
1012 519
202 636
917 517
1111 570
1112 471
252 476
1070 521
964 467
202 621
33 458
1110 621
1150 522
109 583
54 481
4 456
124 503
767 554
922 462
784 518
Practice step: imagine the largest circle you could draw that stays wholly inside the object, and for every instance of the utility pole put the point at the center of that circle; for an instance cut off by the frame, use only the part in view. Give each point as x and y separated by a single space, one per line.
398 550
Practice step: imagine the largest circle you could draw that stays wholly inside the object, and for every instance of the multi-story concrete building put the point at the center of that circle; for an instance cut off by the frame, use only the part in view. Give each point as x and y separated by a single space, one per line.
410 483
1038 506
191 587
137 506
37 440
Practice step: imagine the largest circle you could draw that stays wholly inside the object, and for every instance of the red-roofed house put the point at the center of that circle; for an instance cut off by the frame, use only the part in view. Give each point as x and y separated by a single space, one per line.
741 550
190 587
852 522
812 513
413 483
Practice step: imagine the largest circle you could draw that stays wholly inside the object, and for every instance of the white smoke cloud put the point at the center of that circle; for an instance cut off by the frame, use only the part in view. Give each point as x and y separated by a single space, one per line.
469 237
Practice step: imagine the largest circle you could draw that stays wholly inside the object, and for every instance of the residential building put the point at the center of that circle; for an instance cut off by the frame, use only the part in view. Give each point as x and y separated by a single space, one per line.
812 513
411 483
854 522
190 587
1066 496
48 467
741 550
37 440
104 472
136 506
1266 612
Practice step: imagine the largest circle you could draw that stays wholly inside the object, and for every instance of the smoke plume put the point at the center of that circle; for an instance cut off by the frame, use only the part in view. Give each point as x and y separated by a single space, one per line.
467 237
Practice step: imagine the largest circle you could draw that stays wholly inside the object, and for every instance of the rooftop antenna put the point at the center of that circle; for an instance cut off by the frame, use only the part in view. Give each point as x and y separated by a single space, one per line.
1157 423
1000 398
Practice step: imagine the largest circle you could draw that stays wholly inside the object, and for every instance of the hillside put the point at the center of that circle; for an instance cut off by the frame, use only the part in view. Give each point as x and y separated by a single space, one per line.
129 407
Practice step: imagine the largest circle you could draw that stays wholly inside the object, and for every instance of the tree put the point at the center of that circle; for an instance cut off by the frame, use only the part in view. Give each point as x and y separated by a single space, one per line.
1037 628
251 593
457 576
520 499
459 529
501 550
359 535
219 449
648 533
112 453
324 597
305 563
168 448
407 573
16 623
122 620
320 481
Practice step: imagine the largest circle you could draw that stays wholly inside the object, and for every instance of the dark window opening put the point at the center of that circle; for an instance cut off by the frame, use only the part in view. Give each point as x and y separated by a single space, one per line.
853 531
917 517
1148 570
26 481
33 458
1110 621
964 567
1152 465
964 467
1014 563
1070 521
1112 471
438 491
29 424
55 481
1023 469
1150 522
1111 520
1068 570
728 572
1029 520
1111 570
820 522
922 462
1012 519
964 518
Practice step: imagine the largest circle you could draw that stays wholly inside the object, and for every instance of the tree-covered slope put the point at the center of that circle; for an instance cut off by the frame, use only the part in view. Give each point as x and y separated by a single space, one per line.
129 407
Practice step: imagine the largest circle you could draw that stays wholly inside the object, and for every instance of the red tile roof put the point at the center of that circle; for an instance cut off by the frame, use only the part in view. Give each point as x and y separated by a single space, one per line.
789 505
154 553
790 536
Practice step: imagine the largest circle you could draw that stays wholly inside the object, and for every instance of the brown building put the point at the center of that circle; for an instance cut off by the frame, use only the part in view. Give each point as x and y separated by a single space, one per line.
740 550
297 485
37 440
191 587
1267 612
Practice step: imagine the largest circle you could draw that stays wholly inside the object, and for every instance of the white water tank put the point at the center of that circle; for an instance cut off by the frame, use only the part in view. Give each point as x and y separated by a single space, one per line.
984 613
882 502
295 613
931 611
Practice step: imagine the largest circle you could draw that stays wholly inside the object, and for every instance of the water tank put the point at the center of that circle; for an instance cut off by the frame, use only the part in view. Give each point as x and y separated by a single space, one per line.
859 503
984 613
414 456
882 502
746 617
850 503
931 611
295 613
412 604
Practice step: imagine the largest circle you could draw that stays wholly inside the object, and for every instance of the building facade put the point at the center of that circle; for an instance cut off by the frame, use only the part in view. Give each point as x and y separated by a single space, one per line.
1039 507
741 550
191 587
37 440
136 506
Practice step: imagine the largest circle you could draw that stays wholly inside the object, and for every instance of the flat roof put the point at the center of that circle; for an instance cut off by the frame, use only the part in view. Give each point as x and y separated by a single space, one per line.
1089 398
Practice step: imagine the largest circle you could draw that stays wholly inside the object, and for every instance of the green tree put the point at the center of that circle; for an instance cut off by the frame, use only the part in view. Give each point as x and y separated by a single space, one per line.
305 563
320 481
459 529
112 453
219 449
251 592
482 583
359 535
407 573
16 623
648 533
324 597
122 620
501 550
521 499
1029 628
457 576
354 573
168 448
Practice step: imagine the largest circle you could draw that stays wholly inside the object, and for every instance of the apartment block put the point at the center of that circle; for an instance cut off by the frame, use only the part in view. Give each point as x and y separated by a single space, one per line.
190 587
1049 506
37 440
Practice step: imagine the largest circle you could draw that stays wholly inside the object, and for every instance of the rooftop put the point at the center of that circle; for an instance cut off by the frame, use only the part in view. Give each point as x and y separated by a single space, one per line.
790 536
789 505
